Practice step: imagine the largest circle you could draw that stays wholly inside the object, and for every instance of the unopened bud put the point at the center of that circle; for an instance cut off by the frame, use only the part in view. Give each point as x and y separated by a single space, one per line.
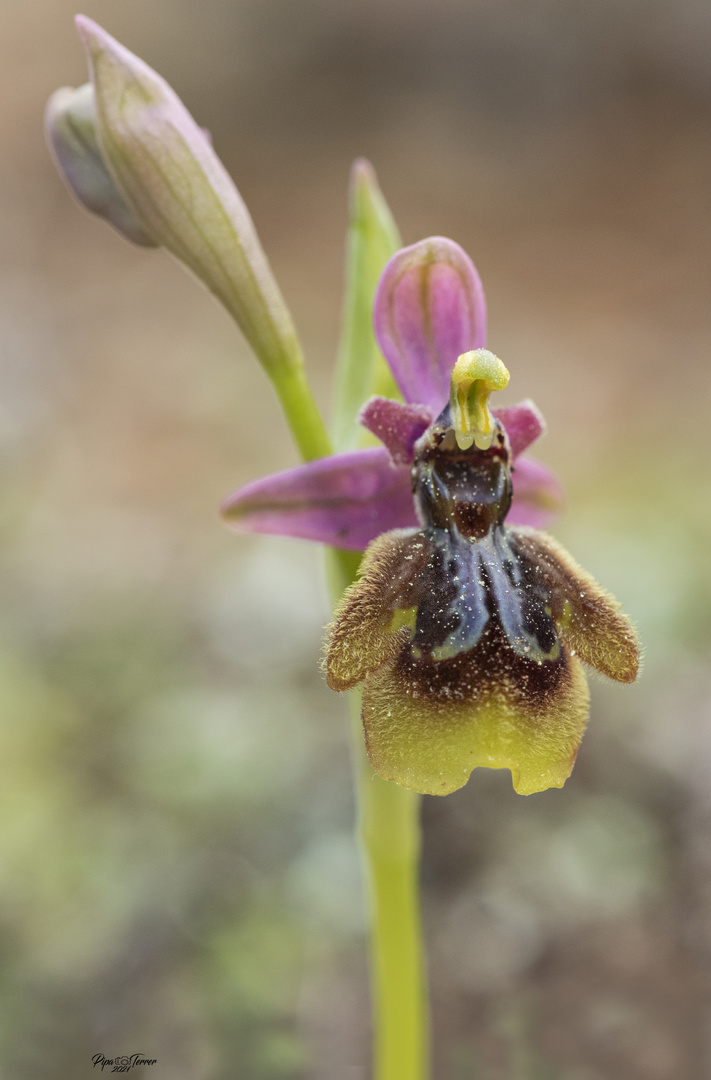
166 170
71 133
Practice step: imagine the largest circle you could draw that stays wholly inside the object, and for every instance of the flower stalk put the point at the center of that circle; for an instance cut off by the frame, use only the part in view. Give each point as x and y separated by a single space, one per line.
389 834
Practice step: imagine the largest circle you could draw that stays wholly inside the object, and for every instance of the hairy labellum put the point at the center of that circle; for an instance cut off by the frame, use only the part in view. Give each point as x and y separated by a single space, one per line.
468 635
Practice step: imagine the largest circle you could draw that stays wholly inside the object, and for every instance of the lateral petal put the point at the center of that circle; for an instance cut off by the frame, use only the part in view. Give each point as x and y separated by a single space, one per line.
345 500
397 426
524 423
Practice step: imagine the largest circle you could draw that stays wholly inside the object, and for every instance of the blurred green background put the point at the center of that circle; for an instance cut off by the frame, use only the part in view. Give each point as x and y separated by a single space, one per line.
177 870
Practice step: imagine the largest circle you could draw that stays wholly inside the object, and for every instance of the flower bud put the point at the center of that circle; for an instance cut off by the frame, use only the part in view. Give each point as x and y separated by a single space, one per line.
71 133
164 166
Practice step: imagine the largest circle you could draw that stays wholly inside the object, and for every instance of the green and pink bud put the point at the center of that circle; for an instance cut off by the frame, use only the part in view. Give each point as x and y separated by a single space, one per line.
131 152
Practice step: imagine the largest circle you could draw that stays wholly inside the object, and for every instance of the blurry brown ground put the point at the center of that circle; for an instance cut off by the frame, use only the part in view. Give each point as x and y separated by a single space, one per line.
177 874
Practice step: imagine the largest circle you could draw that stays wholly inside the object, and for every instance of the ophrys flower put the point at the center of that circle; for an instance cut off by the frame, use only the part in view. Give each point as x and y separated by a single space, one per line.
466 631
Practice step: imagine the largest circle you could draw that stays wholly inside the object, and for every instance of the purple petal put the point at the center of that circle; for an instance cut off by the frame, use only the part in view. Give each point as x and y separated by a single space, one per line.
537 494
523 423
397 426
345 500
429 309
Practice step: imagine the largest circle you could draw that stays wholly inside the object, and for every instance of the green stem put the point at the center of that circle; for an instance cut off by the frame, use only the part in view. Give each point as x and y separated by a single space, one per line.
389 837
390 842
302 414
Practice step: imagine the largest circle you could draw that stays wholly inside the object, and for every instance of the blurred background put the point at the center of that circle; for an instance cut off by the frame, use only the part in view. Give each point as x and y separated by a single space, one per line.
177 870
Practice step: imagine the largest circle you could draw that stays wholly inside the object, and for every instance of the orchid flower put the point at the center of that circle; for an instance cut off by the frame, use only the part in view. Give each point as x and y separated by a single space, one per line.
465 629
